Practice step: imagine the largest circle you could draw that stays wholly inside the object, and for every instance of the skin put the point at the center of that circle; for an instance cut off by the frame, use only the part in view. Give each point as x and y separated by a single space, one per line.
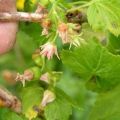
7 29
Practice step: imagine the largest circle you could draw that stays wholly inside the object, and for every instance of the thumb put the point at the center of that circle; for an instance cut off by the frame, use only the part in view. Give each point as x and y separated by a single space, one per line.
7 29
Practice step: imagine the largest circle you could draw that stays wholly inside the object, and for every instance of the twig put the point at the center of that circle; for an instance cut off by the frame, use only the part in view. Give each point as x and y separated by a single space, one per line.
9 100
21 16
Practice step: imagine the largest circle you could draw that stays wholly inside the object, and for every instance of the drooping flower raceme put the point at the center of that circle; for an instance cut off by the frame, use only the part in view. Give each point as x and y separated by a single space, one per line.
48 50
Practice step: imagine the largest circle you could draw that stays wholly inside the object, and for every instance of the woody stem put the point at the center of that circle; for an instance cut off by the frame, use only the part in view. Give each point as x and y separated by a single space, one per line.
21 16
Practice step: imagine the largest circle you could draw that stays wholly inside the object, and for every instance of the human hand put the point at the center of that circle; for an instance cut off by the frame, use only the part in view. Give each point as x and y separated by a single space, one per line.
7 29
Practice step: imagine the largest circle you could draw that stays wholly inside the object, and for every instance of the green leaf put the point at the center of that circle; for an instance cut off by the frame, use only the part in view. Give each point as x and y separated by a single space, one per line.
105 14
95 64
6 114
31 96
60 109
107 106
22 40
114 43
33 30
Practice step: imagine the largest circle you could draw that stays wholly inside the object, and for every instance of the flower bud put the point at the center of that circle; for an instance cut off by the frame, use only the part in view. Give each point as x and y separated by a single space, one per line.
37 58
36 72
21 78
45 77
51 77
33 73
29 74
48 97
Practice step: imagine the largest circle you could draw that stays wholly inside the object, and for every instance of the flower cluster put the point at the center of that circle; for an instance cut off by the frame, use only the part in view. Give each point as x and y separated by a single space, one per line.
68 34
53 27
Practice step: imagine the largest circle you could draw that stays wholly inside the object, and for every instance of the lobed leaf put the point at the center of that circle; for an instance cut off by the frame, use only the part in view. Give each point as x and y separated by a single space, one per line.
105 14
31 97
107 106
60 109
94 63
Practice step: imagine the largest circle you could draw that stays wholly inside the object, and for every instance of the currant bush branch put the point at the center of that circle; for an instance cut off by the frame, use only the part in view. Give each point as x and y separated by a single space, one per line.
53 25
8 100
21 16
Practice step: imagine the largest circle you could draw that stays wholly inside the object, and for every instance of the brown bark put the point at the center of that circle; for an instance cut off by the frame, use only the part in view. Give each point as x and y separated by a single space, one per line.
8 100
